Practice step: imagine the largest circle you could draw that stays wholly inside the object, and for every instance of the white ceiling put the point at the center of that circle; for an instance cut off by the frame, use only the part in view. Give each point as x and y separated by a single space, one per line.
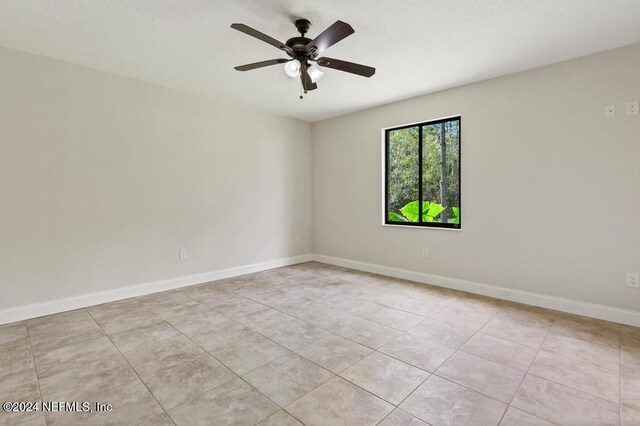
417 46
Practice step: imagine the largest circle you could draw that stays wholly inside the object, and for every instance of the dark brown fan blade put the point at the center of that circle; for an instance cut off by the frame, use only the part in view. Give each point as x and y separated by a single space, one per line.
307 84
329 37
255 65
260 36
345 66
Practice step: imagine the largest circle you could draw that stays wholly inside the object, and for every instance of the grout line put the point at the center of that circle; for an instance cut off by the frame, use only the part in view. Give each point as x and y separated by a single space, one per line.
35 368
132 369
620 375
526 374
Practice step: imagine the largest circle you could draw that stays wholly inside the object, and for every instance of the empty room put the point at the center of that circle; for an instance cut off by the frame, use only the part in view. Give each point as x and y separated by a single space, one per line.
284 213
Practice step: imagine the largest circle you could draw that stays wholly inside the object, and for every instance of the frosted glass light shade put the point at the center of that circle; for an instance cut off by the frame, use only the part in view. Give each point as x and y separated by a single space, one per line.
314 73
292 68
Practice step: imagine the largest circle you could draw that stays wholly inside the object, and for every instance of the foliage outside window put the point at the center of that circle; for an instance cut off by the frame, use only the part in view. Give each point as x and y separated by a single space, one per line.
422 181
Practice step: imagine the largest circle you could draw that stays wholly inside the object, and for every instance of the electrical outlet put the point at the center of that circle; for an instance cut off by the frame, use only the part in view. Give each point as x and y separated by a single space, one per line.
182 254
633 280
632 108
425 252
610 111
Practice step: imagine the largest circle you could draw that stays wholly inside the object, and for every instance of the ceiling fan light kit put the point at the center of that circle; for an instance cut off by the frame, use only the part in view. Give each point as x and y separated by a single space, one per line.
303 53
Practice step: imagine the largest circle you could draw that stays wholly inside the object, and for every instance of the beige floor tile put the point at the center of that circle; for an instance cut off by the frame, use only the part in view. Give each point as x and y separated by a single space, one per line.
478 303
379 314
630 387
20 391
284 329
334 353
630 417
204 292
630 357
51 323
528 316
131 404
15 373
124 315
13 331
245 355
365 332
263 318
596 332
578 375
461 317
630 336
515 417
226 333
82 354
446 334
22 419
173 383
441 402
194 318
76 384
297 335
281 418
584 351
423 307
234 305
137 339
515 332
401 418
165 301
234 403
287 378
171 350
339 402
422 353
55 331
564 405
14 354
490 378
501 351
386 377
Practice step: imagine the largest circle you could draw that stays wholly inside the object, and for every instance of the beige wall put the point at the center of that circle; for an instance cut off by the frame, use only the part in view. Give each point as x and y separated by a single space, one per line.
550 188
103 179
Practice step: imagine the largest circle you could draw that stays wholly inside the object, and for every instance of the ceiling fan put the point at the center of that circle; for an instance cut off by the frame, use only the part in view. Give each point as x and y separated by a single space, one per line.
304 51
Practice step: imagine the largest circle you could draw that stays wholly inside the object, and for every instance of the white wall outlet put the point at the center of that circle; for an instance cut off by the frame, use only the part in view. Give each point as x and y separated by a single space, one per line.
182 254
425 252
632 108
610 111
633 280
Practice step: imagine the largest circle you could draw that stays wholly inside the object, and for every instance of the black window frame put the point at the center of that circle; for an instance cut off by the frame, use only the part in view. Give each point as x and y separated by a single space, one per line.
421 223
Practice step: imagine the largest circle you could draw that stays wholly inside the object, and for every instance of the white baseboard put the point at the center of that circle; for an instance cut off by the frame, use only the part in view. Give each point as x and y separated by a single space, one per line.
35 310
577 307
607 313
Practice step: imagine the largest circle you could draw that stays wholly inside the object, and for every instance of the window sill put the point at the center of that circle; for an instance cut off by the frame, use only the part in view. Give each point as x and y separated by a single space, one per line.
422 227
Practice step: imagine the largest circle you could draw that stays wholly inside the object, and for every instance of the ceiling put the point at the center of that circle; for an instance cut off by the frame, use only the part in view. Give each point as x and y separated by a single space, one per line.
417 46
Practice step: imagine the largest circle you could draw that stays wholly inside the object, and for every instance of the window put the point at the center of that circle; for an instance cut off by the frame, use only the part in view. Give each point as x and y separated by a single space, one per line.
422 174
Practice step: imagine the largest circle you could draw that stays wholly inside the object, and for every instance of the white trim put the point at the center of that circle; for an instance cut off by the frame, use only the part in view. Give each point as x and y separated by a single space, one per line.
35 310
422 227
608 313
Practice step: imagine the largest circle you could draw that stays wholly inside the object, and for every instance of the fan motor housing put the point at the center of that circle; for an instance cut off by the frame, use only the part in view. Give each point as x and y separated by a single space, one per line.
299 46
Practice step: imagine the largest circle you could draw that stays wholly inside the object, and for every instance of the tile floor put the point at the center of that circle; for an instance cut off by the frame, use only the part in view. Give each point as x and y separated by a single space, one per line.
320 345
